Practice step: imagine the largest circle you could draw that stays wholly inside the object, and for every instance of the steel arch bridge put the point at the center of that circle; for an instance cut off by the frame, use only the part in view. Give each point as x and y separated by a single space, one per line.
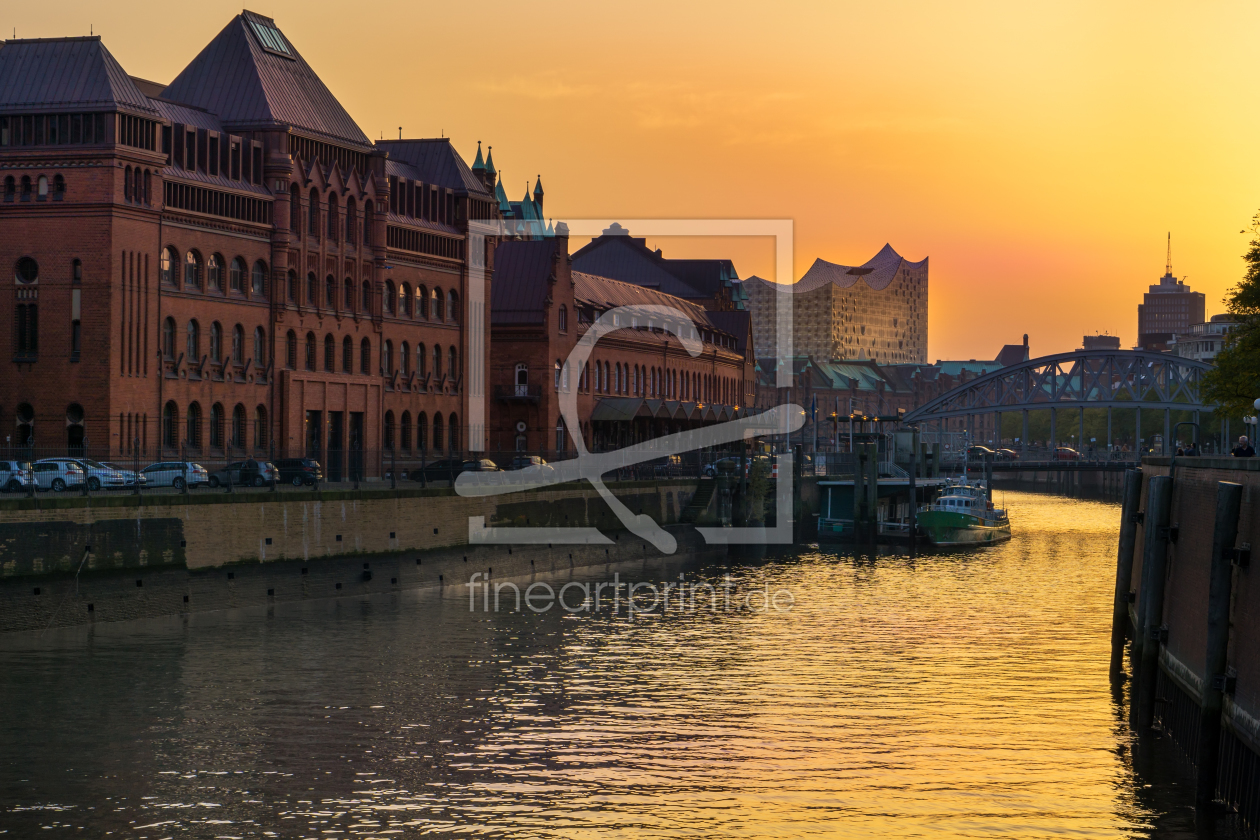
1082 379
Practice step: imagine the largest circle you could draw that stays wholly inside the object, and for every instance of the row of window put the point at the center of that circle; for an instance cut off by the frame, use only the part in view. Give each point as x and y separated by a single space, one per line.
403 441
652 382
442 358
26 309
239 434
37 189
217 203
349 226
192 345
53 129
136 184
208 275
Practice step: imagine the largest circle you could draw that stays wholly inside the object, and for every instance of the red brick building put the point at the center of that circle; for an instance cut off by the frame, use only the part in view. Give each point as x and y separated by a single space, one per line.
640 382
228 263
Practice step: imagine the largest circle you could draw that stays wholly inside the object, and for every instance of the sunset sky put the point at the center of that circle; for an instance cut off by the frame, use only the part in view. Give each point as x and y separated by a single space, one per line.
1038 153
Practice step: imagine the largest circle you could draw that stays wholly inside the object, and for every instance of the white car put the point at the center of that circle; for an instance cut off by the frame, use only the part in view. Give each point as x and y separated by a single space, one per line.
175 474
57 474
105 476
15 475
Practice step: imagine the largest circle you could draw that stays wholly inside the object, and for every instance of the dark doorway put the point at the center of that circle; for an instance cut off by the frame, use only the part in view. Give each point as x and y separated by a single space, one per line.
314 434
336 445
356 445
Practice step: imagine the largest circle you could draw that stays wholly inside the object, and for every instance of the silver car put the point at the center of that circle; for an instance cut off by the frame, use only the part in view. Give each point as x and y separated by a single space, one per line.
175 474
105 476
57 474
15 476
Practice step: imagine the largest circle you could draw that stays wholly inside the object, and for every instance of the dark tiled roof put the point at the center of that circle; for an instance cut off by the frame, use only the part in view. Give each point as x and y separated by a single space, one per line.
628 259
736 322
150 89
251 87
178 174
605 293
434 162
56 74
194 117
1012 354
518 293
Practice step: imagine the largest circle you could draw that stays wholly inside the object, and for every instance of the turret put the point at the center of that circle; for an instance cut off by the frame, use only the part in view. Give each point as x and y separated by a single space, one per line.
538 195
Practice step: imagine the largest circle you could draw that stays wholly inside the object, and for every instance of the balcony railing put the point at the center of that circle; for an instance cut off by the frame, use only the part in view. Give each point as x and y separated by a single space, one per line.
517 392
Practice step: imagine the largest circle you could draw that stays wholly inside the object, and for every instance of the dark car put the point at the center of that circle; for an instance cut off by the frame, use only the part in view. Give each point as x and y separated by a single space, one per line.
1066 453
299 471
249 473
1007 455
979 453
444 469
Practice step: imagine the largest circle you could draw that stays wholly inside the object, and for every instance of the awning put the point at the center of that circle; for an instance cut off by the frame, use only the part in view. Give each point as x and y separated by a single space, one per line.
619 409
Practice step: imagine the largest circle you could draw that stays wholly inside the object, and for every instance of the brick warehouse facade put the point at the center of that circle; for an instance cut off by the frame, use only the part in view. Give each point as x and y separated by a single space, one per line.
228 262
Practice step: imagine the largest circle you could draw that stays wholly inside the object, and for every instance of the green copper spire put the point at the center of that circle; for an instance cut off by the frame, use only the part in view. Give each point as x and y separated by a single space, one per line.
490 159
479 165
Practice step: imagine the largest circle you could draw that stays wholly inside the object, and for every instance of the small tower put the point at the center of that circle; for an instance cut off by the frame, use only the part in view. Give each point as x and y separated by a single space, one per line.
491 175
538 195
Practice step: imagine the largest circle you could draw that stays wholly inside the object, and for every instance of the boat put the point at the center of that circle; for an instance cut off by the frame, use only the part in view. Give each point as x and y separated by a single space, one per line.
963 515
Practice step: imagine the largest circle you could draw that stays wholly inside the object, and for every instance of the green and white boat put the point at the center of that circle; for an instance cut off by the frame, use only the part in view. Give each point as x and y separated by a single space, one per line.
963 515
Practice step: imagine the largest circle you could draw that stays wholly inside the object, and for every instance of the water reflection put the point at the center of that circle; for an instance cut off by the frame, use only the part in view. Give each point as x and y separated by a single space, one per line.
955 695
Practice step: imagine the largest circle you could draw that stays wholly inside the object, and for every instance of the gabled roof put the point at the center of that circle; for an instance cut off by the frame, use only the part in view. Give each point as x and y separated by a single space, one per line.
522 269
252 85
877 272
605 293
55 74
435 161
735 322
627 258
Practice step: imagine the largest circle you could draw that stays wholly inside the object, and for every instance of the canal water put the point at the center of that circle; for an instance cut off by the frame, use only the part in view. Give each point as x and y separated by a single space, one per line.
953 695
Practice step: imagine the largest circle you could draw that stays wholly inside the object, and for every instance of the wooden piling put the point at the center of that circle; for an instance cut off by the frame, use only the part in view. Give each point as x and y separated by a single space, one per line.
1154 576
1124 569
1220 586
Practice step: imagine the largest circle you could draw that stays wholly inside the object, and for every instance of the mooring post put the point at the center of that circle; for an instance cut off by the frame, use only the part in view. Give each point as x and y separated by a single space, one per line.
1220 585
914 496
1124 568
859 491
1154 572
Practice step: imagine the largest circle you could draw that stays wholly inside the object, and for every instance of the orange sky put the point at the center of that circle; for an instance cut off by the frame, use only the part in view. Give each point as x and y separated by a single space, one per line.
1038 153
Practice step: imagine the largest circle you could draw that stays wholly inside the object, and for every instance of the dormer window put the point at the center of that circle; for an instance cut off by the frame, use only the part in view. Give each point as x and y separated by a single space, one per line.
270 38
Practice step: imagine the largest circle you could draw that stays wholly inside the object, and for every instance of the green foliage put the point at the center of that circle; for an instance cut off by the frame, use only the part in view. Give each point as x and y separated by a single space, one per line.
1235 381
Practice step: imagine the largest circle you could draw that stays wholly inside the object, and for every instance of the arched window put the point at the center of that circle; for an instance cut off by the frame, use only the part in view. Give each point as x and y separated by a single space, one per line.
452 305
10 188
236 275
437 361
389 430
437 306
295 211
365 356
216 342
367 222
310 351
258 284
330 353
422 365
239 429
194 343
422 302
42 184
452 366
168 338
556 371
351 218
389 297
238 345
404 300
192 270
347 355
192 428
437 432
422 431
127 184
334 221
214 273
170 425
260 348
617 378
292 287
137 191
404 360
260 427
59 187
563 319
312 290
404 428
522 379
169 265
216 426
452 440
349 295
290 350
367 297
387 358
312 219
330 292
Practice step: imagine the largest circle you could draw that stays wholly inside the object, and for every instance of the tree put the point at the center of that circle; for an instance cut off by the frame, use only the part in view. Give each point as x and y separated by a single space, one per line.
1235 381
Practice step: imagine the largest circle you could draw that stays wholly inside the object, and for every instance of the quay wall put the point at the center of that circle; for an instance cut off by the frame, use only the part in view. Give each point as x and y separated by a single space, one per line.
1183 643
71 560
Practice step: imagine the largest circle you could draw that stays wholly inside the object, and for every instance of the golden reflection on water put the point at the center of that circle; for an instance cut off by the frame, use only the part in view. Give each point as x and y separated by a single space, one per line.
953 695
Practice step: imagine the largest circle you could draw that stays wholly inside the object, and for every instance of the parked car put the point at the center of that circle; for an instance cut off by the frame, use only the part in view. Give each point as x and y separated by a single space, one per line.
520 462
57 474
245 473
299 471
15 476
1007 455
106 476
442 470
714 469
175 473
1066 453
129 476
979 453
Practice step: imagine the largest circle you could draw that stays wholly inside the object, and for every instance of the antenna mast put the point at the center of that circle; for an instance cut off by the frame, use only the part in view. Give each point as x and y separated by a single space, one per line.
1168 267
